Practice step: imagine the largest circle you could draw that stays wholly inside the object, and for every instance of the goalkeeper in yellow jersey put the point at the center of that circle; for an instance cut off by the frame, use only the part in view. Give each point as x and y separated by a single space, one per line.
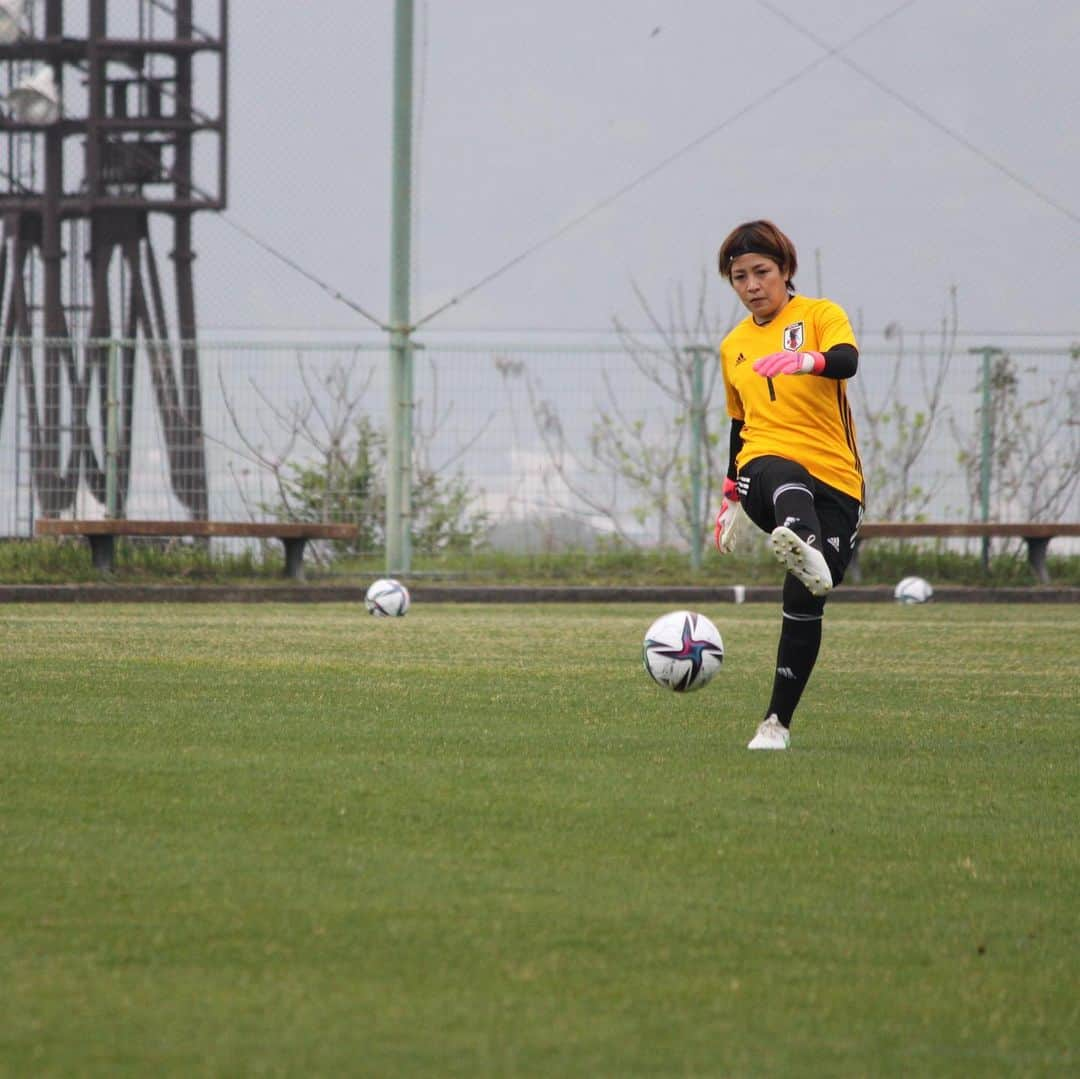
794 465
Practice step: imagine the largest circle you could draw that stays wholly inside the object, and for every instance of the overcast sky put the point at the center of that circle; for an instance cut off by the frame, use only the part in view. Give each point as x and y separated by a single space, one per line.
530 114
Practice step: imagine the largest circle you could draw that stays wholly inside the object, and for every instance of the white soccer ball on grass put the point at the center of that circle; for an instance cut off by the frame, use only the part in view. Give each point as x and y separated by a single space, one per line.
682 651
913 590
387 598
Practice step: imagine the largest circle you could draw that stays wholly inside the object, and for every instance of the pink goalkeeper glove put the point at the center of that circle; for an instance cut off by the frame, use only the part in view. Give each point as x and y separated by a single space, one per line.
727 518
790 363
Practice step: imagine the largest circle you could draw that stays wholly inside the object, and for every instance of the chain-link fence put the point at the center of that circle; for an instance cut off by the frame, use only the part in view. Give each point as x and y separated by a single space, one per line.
514 446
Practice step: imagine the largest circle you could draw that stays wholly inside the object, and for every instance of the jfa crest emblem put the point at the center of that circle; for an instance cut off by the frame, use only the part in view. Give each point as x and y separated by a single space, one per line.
793 336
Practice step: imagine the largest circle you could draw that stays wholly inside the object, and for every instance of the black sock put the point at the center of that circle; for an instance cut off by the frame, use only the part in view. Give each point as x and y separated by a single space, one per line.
800 639
794 507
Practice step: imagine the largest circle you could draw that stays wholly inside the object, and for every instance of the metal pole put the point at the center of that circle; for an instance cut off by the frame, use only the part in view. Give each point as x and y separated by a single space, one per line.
112 433
399 443
697 446
987 449
406 455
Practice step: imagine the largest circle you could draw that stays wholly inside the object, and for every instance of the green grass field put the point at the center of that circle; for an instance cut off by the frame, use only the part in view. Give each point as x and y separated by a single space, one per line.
286 839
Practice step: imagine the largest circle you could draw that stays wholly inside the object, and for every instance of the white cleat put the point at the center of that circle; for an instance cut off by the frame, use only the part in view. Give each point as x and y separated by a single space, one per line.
771 734
805 562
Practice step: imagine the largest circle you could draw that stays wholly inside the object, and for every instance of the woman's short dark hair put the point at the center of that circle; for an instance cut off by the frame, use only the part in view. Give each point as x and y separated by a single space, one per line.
759 238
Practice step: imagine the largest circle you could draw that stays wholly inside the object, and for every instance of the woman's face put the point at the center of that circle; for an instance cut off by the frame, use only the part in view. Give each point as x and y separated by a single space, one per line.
760 285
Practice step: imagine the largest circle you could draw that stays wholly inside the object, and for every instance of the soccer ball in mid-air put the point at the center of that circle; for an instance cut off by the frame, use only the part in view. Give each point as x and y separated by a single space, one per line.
913 590
682 651
387 598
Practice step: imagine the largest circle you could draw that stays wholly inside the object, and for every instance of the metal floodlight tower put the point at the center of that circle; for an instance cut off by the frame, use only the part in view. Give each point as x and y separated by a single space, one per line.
104 134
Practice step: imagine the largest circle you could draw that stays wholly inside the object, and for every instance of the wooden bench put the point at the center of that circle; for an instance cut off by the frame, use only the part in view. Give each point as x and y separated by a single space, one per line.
1036 534
102 535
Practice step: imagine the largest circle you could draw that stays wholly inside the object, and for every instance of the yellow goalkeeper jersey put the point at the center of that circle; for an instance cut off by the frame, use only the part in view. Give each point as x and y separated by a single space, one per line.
805 418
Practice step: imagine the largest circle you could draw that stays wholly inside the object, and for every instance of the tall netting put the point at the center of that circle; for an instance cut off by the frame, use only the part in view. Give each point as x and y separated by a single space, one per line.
516 446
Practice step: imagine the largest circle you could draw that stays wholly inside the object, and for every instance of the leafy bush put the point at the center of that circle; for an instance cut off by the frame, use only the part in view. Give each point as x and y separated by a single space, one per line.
349 485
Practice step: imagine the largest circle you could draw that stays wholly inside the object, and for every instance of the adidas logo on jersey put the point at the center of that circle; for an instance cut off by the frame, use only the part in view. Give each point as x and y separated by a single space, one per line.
834 542
741 359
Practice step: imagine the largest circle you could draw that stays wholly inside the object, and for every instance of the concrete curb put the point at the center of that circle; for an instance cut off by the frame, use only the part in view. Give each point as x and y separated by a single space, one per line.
435 593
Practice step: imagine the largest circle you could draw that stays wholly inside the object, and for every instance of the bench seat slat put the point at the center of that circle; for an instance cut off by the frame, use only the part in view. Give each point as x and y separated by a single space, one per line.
1037 535
971 529
45 526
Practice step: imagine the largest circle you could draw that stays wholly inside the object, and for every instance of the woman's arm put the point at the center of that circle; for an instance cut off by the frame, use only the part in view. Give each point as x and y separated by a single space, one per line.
735 447
841 361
